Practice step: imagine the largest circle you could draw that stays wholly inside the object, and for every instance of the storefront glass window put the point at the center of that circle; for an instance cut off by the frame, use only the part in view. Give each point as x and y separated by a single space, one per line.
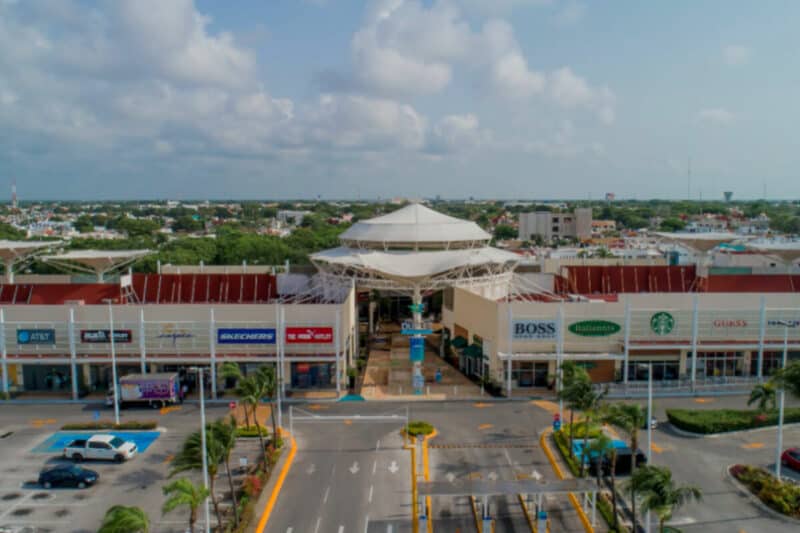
662 370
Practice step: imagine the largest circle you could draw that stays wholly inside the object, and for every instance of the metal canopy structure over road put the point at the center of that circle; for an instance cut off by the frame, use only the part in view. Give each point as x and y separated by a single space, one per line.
15 252
97 262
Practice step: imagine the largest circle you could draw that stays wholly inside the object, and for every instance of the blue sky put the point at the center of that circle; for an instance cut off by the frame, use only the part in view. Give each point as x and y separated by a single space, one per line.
345 98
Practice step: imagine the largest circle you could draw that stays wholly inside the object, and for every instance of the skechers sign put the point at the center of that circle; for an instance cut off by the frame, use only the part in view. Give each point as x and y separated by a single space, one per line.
104 336
534 329
594 328
36 336
246 336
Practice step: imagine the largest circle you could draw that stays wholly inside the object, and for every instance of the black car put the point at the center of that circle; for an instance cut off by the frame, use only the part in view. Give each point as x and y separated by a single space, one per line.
67 476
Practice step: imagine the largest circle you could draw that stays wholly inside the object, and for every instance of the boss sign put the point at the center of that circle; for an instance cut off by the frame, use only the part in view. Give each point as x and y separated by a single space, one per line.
534 329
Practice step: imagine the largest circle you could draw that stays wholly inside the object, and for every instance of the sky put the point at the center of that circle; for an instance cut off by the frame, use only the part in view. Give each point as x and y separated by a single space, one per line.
507 99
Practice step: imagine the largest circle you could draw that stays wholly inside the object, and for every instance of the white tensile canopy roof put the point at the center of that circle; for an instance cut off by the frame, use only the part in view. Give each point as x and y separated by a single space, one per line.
98 262
699 242
12 252
414 266
787 252
414 226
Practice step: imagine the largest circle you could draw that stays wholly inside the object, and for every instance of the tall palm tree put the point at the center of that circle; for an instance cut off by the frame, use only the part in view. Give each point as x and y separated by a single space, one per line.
121 519
589 403
225 433
630 418
191 458
574 386
764 394
251 390
660 493
183 493
789 378
600 447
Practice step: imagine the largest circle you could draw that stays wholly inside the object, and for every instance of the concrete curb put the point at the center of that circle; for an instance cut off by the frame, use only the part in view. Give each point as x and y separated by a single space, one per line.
757 501
543 441
684 433
273 488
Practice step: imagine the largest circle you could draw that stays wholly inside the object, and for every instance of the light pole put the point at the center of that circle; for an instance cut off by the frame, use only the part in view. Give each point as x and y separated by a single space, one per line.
782 397
206 511
113 360
649 427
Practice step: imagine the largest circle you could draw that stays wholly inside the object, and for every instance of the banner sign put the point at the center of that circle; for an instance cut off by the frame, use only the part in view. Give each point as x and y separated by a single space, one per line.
417 349
534 329
104 336
36 336
412 331
594 328
246 336
174 333
309 335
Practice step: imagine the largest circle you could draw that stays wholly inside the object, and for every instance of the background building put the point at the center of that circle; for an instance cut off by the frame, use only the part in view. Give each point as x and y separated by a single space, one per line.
549 225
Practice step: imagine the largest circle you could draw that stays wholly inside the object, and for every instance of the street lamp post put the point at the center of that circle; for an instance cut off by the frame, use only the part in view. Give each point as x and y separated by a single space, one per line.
649 427
206 511
782 398
113 360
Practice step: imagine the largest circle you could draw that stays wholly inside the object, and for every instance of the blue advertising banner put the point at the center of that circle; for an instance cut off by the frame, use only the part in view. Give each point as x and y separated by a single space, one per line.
411 331
417 349
246 336
36 336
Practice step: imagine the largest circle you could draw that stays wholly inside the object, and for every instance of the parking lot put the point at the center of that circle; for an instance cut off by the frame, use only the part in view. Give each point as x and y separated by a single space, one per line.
31 442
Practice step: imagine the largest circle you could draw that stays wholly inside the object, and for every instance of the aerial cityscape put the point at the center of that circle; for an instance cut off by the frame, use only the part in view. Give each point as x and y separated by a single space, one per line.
398 266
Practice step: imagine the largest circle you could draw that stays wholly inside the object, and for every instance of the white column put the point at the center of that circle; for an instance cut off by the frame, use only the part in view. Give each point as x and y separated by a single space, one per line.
142 343
762 332
282 350
336 348
510 341
73 356
508 377
559 355
9 266
206 512
212 352
695 322
4 351
781 404
627 341
113 362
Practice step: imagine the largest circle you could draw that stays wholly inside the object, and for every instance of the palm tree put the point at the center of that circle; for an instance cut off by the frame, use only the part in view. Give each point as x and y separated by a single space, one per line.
789 378
600 447
121 519
574 385
191 458
630 418
589 403
182 492
251 390
225 433
660 493
231 370
763 394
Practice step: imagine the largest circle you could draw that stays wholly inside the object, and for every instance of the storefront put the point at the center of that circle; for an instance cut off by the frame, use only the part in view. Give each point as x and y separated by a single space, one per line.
529 373
662 370
720 364
772 361
313 375
51 378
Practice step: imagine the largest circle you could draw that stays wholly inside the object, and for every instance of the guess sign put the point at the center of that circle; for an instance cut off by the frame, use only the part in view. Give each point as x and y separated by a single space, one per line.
729 323
309 335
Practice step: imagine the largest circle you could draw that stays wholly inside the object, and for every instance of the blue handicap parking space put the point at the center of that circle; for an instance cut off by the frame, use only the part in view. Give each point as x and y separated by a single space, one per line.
55 443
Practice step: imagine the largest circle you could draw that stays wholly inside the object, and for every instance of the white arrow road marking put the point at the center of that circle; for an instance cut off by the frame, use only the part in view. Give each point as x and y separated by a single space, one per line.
311 469
536 475
393 468
492 476
341 529
289 530
354 469
450 477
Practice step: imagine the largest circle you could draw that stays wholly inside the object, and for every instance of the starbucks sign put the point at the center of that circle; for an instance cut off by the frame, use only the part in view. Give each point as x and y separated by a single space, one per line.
594 328
662 323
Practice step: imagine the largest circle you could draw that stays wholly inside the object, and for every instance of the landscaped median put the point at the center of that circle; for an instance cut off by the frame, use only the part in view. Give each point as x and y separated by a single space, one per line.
708 421
780 496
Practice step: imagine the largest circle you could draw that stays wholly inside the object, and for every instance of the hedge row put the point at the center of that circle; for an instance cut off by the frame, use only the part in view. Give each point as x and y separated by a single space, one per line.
705 421
781 496
108 424
251 431
418 427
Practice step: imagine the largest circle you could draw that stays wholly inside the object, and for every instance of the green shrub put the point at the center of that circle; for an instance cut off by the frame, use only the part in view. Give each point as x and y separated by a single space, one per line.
707 421
578 431
606 509
418 427
561 438
781 496
251 431
108 424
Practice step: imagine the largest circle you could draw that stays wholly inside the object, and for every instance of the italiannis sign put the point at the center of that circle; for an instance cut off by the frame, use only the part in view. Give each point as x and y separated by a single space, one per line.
662 323
594 328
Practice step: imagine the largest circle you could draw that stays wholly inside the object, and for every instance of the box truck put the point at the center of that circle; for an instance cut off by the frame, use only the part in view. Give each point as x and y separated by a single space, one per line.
156 390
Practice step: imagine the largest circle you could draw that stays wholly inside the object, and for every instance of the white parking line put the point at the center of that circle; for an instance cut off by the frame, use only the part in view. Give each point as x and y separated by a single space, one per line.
289 530
366 524
374 466
370 494
319 521
341 529
389 528
327 491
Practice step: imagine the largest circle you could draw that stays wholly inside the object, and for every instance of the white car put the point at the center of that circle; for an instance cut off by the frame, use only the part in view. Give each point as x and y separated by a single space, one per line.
102 447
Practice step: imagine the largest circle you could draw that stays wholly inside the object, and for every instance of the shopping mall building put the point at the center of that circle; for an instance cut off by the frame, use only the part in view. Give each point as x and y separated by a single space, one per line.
503 317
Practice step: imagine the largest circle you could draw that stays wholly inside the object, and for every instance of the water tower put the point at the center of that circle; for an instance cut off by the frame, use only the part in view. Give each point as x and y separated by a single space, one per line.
728 195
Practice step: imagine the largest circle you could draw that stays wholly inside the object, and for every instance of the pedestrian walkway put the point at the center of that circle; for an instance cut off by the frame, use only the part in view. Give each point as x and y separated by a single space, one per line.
389 370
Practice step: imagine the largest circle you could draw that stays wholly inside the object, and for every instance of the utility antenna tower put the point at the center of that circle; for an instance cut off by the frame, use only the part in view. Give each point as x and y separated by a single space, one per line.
14 194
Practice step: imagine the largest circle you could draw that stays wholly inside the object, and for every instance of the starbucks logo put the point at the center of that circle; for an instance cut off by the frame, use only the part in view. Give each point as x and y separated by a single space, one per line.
662 323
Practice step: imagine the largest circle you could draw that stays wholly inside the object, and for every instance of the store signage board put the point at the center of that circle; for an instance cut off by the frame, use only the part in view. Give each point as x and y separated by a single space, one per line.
246 336
36 336
103 336
594 328
534 330
417 349
412 331
662 323
309 335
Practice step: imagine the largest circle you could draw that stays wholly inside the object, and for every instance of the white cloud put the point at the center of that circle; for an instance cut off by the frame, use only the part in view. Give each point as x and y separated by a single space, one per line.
571 91
737 55
716 115
457 133
570 13
562 144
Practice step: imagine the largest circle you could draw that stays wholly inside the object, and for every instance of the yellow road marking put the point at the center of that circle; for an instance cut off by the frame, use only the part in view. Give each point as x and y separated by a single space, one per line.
656 448
753 445
485 426
42 421
317 407
475 475
557 469
262 523
550 407
426 472
481 405
168 458
703 400
348 422
170 409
